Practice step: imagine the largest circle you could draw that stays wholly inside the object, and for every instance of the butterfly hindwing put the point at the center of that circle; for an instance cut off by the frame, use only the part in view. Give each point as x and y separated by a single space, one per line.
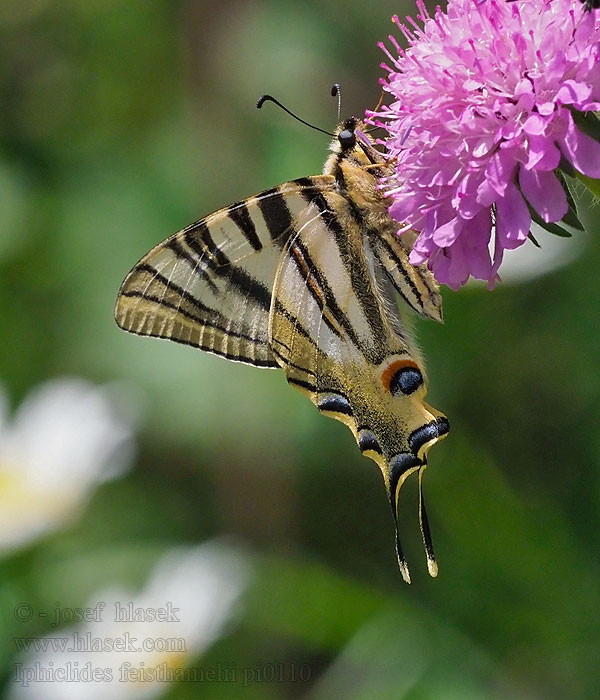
210 284
339 337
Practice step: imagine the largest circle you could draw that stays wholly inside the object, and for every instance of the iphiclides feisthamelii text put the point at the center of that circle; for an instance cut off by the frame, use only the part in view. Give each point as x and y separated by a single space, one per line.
303 277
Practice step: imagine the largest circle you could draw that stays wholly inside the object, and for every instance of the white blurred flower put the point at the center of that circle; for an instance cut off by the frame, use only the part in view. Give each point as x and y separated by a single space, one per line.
65 438
137 644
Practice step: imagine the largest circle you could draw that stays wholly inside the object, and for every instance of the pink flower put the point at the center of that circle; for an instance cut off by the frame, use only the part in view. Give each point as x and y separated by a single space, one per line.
493 101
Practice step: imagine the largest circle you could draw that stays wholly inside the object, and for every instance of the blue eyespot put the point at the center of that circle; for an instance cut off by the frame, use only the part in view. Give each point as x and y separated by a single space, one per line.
406 381
367 441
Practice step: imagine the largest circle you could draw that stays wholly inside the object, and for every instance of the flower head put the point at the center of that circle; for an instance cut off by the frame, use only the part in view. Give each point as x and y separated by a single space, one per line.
493 100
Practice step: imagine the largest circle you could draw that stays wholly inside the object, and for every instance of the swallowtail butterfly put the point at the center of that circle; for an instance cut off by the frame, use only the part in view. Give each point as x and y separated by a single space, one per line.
304 277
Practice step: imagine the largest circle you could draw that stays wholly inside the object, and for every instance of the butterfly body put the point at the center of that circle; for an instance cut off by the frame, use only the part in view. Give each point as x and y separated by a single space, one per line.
304 277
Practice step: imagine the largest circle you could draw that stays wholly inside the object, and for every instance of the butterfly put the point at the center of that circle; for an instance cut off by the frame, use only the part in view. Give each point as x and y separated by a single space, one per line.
304 277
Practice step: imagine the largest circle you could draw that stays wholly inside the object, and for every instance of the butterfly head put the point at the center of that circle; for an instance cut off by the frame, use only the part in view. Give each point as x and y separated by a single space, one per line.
346 136
351 142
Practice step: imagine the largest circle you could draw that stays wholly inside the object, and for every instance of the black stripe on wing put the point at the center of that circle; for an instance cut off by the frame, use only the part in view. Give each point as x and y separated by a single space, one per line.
321 290
193 317
175 245
238 213
369 332
255 362
275 212
357 273
413 297
295 321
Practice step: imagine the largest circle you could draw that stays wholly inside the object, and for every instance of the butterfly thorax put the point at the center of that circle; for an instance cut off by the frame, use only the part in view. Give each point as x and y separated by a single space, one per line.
357 167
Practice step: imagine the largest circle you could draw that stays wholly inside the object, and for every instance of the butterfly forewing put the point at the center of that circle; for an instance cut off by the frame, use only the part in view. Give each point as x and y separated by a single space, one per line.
210 284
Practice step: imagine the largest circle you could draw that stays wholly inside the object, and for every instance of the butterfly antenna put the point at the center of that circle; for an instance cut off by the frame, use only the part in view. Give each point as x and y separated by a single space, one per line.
425 530
336 91
268 98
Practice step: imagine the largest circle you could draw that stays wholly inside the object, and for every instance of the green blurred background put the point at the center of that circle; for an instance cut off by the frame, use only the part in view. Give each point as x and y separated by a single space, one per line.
120 123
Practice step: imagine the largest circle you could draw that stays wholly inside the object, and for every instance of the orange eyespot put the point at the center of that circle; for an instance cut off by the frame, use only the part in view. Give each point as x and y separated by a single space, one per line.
402 377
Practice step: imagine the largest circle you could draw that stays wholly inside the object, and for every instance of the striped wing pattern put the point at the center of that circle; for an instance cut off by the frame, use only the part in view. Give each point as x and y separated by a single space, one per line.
334 319
327 310
210 285
414 284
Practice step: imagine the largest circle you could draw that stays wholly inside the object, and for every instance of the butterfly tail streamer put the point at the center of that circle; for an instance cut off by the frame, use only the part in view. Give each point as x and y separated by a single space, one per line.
432 566
401 558
394 495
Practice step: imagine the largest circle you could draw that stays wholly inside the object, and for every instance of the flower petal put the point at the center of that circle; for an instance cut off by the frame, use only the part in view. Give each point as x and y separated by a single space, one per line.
446 234
545 193
501 170
513 219
572 92
402 206
542 154
535 125
476 237
450 266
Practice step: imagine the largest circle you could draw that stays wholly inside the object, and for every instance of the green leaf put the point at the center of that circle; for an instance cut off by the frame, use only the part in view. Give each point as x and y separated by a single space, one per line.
587 122
570 218
592 185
